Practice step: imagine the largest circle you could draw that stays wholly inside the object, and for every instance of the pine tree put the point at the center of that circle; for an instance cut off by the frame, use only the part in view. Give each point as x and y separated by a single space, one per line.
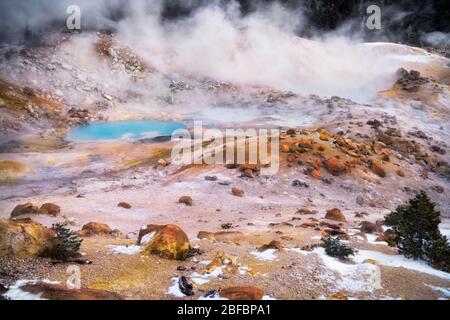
67 243
417 235
334 248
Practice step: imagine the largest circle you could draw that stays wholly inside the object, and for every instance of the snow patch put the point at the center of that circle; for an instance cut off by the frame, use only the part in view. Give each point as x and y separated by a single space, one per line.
126 250
174 289
267 255
398 261
202 279
16 293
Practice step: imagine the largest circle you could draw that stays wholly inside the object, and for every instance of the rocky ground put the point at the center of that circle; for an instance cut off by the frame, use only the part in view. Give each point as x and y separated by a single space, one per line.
343 166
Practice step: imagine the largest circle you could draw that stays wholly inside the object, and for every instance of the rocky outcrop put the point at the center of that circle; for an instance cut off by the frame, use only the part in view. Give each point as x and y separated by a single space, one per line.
168 241
335 215
242 293
24 238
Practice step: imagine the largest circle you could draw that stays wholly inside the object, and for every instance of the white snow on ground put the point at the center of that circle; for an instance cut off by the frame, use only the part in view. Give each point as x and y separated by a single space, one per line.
174 289
126 250
446 232
201 279
352 277
267 297
445 291
267 255
16 293
398 261
371 239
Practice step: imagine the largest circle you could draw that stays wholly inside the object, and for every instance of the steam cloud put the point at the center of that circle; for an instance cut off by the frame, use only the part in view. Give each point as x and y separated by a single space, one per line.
216 41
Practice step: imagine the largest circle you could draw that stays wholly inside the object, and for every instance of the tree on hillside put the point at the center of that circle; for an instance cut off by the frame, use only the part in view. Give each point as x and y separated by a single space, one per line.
417 235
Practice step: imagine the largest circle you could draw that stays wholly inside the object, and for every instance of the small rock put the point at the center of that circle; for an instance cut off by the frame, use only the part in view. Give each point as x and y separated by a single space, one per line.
378 168
360 200
124 205
369 227
336 215
300 184
238 192
186 200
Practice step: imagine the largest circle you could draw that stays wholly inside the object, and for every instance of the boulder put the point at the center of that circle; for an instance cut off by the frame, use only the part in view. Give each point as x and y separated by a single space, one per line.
242 293
370 227
50 209
335 215
94 229
186 200
168 241
49 291
24 238
23 209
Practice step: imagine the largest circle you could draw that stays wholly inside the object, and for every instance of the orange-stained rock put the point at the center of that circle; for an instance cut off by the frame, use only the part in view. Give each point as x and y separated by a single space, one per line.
50 209
23 209
94 228
336 215
338 296
168 241
238 192
242 293
285 148
335 167
24 238
316 174
400 173
378 168
274 244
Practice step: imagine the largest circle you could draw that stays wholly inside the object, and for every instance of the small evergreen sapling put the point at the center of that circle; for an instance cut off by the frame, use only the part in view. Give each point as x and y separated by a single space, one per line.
67 243
334 248
417 234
